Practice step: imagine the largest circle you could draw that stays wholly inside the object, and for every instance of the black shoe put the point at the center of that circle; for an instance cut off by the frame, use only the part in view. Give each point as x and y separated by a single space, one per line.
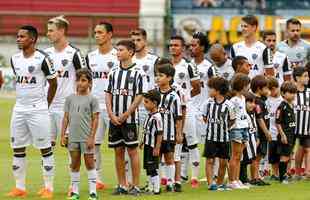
135 191
274 178
120 191
260 182
145 188
177 187
184 179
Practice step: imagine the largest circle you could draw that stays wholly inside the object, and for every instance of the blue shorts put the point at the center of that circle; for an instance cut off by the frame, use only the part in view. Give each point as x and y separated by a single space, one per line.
240 135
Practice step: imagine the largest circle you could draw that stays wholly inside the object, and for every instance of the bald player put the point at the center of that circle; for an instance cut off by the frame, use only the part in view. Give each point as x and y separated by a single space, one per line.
222 65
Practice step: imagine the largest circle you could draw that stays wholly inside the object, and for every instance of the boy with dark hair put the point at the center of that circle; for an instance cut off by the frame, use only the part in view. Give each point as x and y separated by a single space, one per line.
241 64
302 110
219 116
170 109
259 86
273 101
81 115
126 85
285 120
153 134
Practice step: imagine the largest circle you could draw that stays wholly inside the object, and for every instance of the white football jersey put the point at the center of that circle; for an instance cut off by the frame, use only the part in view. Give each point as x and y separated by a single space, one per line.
185 72
239 107
147 63
31 75
297 55
66 63
254 54
280 66
101 65
272 105
226 70
203 69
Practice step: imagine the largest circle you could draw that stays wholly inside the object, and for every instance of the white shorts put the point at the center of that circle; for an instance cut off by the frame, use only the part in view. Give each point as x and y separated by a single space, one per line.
56 124
30 128
177 152
190 129
103 125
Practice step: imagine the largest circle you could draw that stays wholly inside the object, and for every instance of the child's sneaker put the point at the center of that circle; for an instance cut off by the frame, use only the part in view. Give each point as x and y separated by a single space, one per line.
212 187
93 196
163 181
74 196
233 185
169 188
223 187
46 194
100 185
119 191
15 192
177 187
194 183
135 191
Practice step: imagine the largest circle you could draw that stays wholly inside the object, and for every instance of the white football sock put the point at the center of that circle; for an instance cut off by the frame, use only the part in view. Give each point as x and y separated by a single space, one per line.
92 181
19 172
48 167
75 182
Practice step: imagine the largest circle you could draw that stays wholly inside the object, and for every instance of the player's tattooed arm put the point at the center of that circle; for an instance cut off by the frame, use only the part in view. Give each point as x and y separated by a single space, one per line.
65 122
179 132
51 90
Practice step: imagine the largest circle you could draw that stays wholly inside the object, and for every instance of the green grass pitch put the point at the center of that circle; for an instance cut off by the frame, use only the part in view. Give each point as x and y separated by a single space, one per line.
294 191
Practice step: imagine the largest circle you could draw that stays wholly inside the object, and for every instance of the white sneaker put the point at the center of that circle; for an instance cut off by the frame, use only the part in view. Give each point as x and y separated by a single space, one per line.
233 185
242 186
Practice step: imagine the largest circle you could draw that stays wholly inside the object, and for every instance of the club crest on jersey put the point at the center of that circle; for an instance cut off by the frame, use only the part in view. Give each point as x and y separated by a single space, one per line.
145 68
254 56
276 65
181 75
31 69
131 134
110 64
226 75
64 62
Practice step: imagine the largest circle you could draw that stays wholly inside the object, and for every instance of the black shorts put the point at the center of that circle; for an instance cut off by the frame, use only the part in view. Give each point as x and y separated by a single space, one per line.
286 149
167 147
273 156
262 147
123 135
304 141
217 150
150 162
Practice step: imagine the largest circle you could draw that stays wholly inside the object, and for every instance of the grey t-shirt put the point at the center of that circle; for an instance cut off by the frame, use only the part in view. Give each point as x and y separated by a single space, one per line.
80 109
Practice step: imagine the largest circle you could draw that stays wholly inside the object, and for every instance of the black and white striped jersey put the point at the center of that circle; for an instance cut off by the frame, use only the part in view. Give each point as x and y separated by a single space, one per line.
302 112
124 85
217 116
153 126
170 110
